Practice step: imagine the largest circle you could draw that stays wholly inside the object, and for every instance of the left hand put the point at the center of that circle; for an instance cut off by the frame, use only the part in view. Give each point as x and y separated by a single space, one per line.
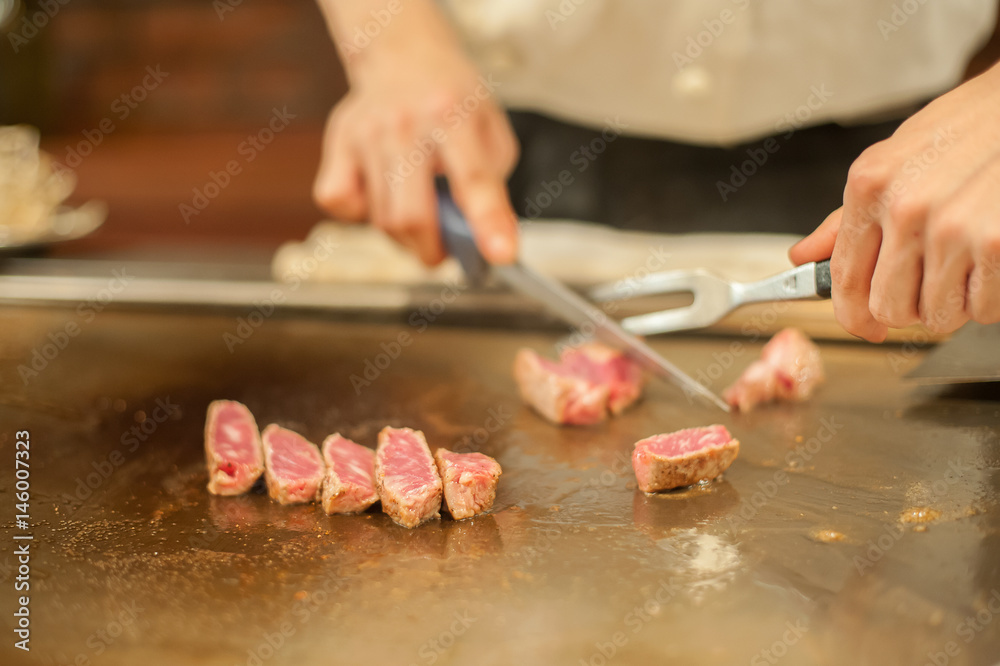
918 236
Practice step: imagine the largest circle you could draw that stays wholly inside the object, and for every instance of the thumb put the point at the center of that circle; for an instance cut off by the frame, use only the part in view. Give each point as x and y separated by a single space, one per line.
818 245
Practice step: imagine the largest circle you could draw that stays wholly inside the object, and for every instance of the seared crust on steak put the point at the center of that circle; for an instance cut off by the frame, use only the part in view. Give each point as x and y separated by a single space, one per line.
469 480
294 468
349 484
406 477
656 471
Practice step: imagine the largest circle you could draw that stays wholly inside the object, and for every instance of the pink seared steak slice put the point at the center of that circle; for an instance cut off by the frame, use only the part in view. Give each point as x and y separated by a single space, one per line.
470 482
557 393
406 477
582 388
294 468
232 448
603 365
349 485
683 458
789 369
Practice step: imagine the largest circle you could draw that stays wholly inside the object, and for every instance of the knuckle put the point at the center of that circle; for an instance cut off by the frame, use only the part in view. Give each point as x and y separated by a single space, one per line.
946 227
945 324
513 154
908 213
398 121
984 314
432 256
407 223
989 246
474 176
891 314
441 101
845 280
939 319
881 314
853 324
368 129
333 197
868 176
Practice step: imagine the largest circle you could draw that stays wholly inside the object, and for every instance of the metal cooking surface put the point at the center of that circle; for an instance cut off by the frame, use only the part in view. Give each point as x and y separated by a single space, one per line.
134 562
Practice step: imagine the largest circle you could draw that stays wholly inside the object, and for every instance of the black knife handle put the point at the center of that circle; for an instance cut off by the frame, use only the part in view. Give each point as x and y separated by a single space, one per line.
457 236
824 283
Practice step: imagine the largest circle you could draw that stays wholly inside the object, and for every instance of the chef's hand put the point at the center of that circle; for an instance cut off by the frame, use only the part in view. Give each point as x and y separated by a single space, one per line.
918 236
416 108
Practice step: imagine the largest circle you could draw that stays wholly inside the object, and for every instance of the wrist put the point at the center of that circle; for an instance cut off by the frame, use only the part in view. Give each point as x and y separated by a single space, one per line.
374 36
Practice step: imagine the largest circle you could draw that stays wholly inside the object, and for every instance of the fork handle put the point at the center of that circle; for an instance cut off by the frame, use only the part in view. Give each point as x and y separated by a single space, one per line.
810 280
824 283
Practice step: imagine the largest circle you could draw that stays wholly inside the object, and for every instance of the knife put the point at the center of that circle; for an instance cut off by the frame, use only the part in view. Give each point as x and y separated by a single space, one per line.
557 298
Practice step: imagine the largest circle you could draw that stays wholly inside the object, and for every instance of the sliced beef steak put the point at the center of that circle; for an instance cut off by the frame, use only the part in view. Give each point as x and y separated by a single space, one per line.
558 394
406 477
232 448
610 367
683 458
582 388
294 468
789 369
470 482
349 485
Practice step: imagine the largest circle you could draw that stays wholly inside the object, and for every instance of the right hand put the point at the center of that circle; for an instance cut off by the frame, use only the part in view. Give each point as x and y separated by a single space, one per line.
414 111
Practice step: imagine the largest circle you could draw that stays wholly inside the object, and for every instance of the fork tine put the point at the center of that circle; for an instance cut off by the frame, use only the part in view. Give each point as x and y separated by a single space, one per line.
667 282
664 321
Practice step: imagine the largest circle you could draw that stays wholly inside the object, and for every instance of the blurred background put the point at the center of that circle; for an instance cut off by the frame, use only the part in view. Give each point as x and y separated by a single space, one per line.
161 94
224 69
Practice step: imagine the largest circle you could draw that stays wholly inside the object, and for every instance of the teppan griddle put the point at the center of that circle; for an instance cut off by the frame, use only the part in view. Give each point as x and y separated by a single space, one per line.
858 528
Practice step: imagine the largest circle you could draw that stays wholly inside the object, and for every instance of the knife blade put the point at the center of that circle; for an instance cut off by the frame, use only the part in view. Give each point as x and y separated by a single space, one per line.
559 299
972 355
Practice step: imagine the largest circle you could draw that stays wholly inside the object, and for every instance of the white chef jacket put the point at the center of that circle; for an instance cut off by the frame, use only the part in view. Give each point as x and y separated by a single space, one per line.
720 71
